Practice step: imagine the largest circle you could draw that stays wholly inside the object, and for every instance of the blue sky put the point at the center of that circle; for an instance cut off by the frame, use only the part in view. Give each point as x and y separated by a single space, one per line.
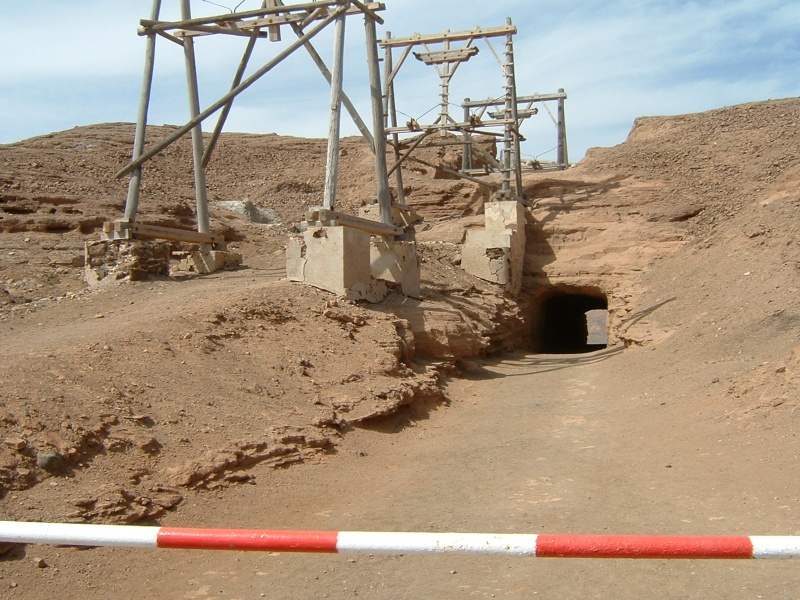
68 63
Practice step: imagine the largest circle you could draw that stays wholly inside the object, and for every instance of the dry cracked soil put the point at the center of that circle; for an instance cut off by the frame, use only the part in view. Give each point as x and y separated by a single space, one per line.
240 399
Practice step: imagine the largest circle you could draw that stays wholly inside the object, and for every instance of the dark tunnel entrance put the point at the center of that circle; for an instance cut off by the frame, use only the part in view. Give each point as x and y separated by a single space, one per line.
569 320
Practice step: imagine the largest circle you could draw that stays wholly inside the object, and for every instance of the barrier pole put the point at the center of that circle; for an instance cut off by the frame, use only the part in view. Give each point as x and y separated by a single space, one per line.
542 545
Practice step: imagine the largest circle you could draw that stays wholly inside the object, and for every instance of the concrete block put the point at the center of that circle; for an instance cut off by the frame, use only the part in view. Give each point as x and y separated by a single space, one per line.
397 262
496 253
336 259
502 215
212 261
488 255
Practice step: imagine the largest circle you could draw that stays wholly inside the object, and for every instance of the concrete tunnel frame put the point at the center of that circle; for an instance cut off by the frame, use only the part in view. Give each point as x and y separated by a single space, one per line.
568 320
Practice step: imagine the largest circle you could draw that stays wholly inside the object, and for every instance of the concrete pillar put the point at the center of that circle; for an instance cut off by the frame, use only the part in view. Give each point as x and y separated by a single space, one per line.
336 259
496 253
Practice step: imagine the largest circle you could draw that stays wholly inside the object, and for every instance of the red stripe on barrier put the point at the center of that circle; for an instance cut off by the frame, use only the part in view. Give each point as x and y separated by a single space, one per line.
643 546
244 539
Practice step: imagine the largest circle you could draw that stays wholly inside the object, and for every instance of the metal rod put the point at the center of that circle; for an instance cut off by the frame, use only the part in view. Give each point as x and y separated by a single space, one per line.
135 184
332 159
223 116
379 132
222 101
203 223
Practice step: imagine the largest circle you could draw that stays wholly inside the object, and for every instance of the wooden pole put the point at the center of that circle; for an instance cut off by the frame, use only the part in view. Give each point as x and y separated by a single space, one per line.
349 106
510 139
181 131
402 159
203 223
274 30
466 157
444 74
135 184
379 132
563 157
390 111
514 109
332 160
237 79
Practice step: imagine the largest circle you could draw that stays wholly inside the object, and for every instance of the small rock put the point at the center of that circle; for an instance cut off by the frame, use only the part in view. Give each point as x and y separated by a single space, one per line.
780 370
715 380
40 563
50 460
15 443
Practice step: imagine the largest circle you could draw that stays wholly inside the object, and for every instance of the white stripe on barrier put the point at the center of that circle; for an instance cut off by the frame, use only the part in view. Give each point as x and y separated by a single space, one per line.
74 534
775 546
403 542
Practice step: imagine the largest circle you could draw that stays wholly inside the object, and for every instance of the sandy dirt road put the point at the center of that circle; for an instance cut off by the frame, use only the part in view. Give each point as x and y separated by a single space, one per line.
570 444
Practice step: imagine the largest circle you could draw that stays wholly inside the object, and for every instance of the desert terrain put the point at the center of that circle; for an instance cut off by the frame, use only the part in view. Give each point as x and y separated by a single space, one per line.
240 399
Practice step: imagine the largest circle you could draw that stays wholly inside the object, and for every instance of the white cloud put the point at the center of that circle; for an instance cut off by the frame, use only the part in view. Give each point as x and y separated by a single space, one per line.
617 60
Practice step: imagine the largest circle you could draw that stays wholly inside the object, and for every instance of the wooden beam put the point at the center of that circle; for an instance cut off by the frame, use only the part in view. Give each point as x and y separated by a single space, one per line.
488 184
127 230
520 100
438 57
271 16
332 218
477 33
455 126
152 26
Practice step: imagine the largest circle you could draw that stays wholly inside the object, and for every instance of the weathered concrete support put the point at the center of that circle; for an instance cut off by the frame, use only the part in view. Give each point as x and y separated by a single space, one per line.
336 259
210 261
396 262
496 253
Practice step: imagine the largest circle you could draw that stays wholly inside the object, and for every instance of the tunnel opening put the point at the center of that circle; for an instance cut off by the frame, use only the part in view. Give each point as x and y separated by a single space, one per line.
569 320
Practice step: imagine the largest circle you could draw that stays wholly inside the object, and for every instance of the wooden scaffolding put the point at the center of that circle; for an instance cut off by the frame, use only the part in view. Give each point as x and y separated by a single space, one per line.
446 52
305 20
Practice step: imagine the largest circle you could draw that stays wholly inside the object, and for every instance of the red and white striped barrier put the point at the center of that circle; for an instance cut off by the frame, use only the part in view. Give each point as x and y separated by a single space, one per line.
544 545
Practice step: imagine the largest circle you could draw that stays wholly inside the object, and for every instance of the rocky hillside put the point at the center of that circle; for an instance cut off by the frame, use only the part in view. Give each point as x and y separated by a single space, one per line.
142 393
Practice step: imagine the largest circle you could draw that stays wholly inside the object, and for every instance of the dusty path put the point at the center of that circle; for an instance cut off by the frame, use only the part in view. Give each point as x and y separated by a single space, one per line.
530 444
